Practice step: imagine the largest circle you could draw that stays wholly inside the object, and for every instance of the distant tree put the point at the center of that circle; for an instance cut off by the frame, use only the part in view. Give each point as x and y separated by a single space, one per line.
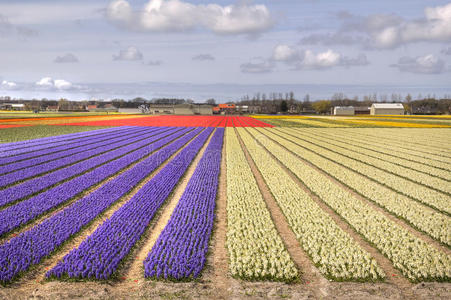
283 106
322 106
211 101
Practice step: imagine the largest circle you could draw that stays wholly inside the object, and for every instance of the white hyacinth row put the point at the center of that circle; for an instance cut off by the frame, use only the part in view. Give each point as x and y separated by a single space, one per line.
432 222
397 145
430 176
332 250
416 259
385 151
255 248
417 191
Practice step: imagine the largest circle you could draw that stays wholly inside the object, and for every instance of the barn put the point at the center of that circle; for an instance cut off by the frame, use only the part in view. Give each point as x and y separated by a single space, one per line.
387 109
344 111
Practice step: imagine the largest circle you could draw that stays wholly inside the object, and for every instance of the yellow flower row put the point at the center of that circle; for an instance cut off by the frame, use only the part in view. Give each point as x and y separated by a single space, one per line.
255 248
416 259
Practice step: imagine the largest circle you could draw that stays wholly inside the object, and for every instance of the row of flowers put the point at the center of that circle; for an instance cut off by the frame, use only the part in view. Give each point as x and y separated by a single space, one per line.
99 255
9 149
52 154
39 183
372 150
181 249
332 250
403 186
403 144
396 169
30 247
256 250
27 210
426 219
15 176
416 259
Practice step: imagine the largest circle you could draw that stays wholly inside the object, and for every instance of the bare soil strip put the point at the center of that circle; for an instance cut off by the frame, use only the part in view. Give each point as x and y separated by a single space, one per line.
59 208
38 272
217 265
133 269
378 208
393 275
309 272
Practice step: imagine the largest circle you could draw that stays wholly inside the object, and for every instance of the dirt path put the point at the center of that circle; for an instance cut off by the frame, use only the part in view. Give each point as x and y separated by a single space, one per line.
375 206
216 271
393 275
133 270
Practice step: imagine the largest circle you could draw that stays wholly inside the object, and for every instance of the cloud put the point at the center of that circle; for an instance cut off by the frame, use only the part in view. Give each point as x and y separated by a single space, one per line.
131 54
203 57
8 28
179 16
67 58
307 59
285 53
257 65
8 85
428 64
48 83
154 63
388 31
446 51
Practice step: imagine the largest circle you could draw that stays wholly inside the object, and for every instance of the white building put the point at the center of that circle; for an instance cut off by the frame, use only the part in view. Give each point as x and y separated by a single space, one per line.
387 109
344 111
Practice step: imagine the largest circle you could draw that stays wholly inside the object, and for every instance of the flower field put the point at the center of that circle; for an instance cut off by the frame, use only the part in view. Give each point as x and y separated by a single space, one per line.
220 202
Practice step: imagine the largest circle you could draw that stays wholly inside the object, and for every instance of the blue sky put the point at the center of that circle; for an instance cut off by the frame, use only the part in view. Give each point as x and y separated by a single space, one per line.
223 49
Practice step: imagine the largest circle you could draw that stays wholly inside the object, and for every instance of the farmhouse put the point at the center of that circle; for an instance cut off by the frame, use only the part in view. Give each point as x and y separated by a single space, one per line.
12 106
181 109
387 109
344 111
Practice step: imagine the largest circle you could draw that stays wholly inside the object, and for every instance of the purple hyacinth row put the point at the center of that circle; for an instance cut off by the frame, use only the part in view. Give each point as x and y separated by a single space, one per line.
37 184
26 152
27 210
180 251
57 138
20 175
30 247
49 149
100 254
102 140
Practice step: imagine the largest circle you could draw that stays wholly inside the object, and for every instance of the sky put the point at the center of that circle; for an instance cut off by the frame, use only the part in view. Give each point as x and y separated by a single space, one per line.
200 49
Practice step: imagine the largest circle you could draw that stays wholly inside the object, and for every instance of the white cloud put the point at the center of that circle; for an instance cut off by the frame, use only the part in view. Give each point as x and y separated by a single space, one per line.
58 84
8 85
257 65
428 64
177 16
307 59
67 58
131 53
203 57
285 53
